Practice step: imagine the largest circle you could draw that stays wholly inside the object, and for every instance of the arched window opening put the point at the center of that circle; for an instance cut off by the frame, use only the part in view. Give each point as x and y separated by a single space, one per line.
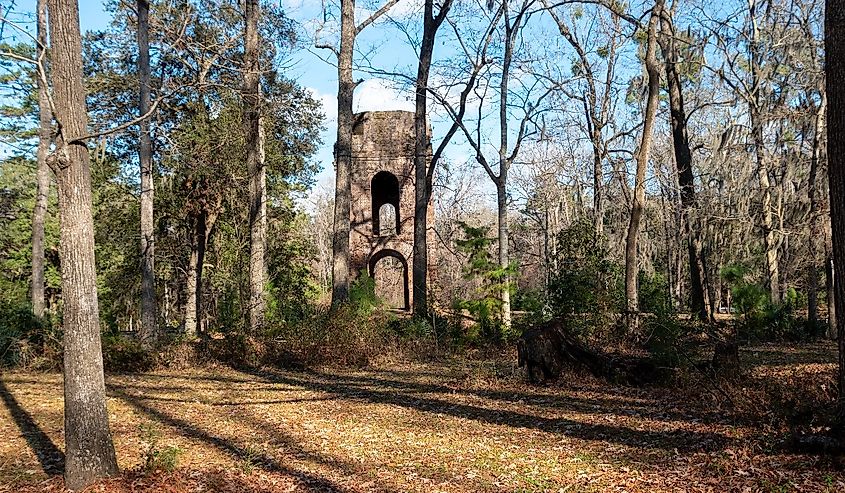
384 190
387 220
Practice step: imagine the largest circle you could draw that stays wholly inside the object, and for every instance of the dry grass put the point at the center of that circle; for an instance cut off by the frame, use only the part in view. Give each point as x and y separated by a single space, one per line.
457 425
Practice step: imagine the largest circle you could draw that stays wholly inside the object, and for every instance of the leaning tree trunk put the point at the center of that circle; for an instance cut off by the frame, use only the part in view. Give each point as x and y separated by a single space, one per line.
343 155
700 302
147 332
255 168
89 451
631 265
42 173
834 75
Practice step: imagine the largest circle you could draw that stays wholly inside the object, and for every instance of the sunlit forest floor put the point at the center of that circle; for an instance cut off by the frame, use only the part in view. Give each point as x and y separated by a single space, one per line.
454 425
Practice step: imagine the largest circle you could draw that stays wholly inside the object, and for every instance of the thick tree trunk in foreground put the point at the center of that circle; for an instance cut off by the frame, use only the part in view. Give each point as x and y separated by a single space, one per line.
343 155
631 265
699 300
89 453
255 168
834 75
831 293
42 173
148 331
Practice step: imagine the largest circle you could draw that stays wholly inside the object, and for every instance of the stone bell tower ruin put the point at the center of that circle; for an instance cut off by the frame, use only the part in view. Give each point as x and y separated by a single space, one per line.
382 215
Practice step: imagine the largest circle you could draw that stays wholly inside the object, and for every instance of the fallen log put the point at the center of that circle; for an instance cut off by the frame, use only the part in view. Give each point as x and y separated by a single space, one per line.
548 348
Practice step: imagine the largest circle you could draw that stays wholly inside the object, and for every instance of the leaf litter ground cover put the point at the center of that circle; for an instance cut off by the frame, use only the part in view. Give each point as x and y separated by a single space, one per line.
453 425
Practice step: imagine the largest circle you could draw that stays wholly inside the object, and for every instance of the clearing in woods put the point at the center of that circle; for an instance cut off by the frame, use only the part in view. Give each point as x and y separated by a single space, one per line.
455 425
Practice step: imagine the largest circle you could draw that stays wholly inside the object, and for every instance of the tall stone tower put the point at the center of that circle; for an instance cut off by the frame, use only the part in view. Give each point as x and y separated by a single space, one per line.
382 216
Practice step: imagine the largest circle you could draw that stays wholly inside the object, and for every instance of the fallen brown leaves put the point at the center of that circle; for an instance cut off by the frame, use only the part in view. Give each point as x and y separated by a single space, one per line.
458 425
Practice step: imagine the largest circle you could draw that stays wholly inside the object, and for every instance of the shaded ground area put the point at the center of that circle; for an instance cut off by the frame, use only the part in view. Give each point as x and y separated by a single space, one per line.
457 425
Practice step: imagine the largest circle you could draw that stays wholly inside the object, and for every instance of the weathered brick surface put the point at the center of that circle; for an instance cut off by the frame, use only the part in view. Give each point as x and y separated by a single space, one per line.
384 141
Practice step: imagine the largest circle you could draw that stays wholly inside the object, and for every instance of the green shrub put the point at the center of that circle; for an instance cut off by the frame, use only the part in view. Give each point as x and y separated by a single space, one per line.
362 294
485 307
587 287
25 340
663 337
121 354
654 294
155 457
762 319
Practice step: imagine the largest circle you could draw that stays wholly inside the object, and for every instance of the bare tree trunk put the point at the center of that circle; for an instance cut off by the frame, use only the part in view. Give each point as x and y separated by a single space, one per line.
203 225
42 173
700 302
147 330
631 264
813 288
504 165
834 75
343 155
255 168
423 171
755 104
89 451
504 260
192 283
598 185
421 192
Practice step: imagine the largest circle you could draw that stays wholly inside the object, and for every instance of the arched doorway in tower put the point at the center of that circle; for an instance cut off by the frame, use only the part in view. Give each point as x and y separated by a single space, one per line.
389 270
384 190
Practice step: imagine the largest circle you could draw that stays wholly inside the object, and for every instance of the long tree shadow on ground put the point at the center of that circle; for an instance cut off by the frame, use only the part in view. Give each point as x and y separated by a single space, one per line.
264 461
683 441
52 459
622 405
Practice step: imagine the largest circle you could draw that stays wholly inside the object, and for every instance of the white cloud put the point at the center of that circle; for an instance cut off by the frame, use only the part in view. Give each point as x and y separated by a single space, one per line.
329 104
381 95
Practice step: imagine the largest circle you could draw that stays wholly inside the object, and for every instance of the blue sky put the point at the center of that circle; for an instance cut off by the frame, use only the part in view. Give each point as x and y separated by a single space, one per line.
310 67
383 46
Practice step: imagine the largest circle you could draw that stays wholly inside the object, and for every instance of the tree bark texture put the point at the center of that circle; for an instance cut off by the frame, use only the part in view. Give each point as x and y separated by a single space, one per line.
631 264
255 168
42 173
149 308
343 155
834 75
89 453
